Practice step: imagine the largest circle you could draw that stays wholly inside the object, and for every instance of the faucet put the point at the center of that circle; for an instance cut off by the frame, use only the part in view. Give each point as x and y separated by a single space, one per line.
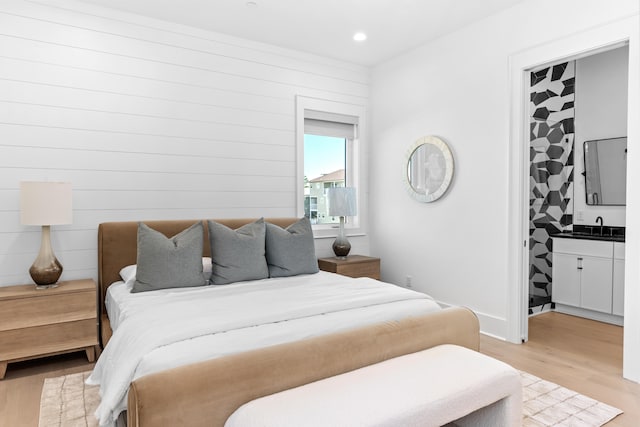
601 221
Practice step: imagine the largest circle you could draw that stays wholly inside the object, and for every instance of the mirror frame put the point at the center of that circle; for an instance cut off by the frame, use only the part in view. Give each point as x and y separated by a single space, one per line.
586 172
448 175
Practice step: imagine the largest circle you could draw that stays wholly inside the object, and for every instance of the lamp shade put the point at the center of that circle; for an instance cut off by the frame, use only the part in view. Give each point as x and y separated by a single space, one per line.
45 203
342 201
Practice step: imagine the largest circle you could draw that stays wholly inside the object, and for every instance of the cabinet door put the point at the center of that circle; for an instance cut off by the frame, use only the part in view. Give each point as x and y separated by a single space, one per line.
566 279
597 292
618 287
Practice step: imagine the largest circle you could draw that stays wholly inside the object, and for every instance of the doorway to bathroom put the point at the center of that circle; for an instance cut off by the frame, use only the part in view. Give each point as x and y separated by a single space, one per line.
625 31
577 173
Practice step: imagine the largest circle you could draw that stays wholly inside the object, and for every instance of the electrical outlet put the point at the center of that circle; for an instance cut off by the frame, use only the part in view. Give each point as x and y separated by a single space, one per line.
407 281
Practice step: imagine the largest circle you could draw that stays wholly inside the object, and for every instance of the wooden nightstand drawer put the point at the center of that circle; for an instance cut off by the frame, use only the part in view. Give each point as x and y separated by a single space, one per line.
369 269
40 340
352 266
36 323
46 309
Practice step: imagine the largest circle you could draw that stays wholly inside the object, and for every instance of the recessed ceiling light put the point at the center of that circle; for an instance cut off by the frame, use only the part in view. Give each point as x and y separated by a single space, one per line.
251 4
359 37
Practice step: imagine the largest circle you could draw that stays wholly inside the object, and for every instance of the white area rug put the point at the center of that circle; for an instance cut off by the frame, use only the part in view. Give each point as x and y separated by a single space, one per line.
67 402
548 404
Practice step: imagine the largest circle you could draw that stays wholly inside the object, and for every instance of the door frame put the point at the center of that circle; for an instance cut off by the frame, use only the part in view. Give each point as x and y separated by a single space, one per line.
577 45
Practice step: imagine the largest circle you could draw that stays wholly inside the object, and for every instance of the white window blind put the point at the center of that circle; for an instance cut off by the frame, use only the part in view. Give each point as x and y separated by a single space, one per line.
330 124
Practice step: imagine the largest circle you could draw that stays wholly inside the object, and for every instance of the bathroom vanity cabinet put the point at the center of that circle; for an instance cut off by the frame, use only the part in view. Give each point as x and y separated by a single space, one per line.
588 278
618 278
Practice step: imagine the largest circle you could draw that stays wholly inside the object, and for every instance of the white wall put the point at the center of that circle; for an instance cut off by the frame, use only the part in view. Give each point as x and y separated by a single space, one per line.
457 87
601 112
147 120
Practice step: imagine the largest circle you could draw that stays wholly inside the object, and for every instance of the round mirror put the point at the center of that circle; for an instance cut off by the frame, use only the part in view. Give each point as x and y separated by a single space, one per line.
429 169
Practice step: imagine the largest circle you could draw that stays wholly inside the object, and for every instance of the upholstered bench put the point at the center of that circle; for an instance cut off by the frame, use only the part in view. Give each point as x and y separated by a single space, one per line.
433 387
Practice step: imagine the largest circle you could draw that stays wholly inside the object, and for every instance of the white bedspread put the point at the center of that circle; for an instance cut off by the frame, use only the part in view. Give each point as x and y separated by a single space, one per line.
160 330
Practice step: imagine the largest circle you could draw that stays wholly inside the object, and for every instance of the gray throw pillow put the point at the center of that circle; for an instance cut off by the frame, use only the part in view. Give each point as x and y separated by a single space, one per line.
164 262
291 251
237 255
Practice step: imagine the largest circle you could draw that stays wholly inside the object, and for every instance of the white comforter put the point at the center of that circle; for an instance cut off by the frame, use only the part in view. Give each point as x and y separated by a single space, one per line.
163 330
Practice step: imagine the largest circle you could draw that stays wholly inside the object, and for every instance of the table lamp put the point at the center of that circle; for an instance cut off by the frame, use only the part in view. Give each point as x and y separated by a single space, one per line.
45 204
342 203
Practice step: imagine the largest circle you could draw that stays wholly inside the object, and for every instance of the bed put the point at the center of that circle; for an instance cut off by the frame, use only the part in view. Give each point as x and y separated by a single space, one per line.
222 346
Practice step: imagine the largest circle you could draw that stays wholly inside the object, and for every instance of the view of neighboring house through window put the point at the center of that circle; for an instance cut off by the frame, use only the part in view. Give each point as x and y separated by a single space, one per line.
325 159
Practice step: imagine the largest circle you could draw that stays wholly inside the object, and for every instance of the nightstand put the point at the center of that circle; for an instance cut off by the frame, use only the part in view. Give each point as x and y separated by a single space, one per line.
36 323
352 266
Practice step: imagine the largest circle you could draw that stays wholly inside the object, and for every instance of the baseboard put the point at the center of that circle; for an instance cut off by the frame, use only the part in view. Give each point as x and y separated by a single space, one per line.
535 311
590 314
493 336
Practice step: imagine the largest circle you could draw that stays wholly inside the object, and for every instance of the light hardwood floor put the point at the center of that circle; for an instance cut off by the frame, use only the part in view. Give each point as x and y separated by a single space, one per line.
20 389
580 354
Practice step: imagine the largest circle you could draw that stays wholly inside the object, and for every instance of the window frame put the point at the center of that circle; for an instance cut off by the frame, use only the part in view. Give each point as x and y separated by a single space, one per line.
355 159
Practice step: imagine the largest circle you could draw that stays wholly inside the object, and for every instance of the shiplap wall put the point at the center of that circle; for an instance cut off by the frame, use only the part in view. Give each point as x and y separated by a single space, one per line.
147 120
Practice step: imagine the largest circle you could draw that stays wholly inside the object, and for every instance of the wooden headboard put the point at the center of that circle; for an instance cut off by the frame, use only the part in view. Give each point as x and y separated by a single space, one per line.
118 243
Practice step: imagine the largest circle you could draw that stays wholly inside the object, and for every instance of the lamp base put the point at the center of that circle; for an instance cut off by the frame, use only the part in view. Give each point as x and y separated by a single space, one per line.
44 287
341 249
46 269
341 246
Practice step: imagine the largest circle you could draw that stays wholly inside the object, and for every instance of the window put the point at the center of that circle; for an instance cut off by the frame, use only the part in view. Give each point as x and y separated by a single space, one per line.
325 166
328 156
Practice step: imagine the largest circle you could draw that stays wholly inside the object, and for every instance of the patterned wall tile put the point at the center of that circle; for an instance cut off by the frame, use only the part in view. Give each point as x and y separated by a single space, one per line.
551 167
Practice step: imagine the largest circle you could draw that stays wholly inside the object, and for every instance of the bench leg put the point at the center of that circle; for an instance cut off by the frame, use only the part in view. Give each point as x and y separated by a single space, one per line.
3 369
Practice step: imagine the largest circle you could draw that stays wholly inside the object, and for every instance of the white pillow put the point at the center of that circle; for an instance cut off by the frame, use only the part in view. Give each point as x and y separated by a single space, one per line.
128 273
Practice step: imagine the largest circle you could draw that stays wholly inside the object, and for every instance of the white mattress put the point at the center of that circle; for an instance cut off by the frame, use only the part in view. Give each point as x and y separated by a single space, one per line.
250 314
115 294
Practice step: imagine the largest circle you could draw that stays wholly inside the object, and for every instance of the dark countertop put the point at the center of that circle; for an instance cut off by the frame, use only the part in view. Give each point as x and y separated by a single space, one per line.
585 235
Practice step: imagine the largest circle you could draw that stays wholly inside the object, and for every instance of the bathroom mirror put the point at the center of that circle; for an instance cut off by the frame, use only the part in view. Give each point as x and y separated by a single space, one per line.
605 171
428 169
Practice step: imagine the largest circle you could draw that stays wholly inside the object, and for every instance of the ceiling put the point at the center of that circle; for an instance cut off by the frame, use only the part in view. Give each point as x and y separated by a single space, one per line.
323 27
